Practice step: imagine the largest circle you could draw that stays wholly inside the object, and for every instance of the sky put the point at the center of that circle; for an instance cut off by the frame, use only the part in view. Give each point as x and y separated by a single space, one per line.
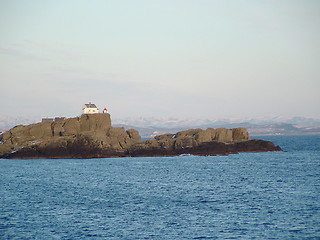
168 58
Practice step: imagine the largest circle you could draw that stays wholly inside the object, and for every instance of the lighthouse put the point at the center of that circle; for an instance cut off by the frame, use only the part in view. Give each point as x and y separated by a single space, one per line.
90 108
105 110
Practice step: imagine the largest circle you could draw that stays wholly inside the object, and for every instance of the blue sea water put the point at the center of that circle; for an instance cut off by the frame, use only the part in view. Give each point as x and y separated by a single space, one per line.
272 195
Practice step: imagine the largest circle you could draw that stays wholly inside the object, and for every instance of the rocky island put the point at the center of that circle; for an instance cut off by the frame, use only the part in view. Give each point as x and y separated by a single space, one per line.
92 136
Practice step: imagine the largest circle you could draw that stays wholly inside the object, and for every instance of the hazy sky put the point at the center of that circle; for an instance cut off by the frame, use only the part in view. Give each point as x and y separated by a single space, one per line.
176 58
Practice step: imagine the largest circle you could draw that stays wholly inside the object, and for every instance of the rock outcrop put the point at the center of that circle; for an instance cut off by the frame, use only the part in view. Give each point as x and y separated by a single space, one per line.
82 137
202 142
92 136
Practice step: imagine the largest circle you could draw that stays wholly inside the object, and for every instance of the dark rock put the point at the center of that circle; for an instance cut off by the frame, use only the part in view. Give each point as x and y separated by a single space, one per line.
201 142
82 137
240 134
92 136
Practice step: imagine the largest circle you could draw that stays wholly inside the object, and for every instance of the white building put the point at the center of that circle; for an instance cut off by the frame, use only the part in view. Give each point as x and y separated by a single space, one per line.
90 108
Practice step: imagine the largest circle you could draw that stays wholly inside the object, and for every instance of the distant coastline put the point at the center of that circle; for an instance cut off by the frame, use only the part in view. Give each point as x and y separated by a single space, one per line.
148 128
253 129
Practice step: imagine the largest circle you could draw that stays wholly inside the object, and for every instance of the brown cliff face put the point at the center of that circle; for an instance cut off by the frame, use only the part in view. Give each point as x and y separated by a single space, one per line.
92 136
192 138
82 137
201 142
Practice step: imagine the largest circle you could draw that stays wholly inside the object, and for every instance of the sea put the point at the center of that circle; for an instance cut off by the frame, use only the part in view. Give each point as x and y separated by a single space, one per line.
269 195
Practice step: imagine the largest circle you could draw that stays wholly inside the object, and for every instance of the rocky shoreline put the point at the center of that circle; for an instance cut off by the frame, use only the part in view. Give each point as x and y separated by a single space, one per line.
92 136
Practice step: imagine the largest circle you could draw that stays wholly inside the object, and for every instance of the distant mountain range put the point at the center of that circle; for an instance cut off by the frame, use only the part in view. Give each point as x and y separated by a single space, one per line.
149 127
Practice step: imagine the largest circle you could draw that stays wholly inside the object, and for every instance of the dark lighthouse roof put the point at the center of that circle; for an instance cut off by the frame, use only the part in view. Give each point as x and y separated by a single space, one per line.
90 105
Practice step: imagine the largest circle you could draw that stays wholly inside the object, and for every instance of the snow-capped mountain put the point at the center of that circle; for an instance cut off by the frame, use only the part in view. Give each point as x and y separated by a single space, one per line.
152 126
256 126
